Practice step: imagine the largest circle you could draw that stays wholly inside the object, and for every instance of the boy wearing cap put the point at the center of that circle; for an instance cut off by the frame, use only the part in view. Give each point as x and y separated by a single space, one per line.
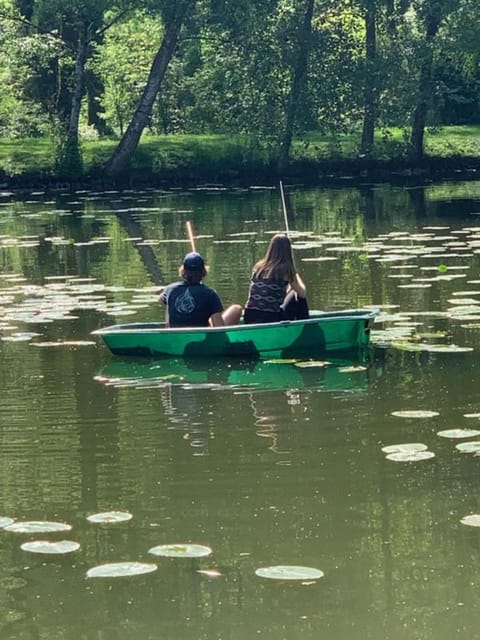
190 303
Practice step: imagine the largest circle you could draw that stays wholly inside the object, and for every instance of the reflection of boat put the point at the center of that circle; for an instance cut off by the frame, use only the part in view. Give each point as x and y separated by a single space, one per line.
330 375
322 332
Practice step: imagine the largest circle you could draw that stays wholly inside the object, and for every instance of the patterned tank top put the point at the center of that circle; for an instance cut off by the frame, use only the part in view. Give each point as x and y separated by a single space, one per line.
266 294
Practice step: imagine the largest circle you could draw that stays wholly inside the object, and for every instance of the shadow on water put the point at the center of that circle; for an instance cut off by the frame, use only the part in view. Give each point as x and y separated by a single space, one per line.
330 374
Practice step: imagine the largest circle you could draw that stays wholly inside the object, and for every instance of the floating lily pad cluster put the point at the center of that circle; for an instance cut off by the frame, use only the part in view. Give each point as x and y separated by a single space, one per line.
416 451
61 298
420 261
134 568
408 452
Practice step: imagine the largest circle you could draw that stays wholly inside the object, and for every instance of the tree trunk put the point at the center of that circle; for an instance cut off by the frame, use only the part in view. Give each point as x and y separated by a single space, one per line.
370 91
419 120
424 91
77 93
95 112
68 157
122 155
299 73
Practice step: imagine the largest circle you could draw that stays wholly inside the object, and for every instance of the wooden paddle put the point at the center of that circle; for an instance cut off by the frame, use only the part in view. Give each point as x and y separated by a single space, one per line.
190 236
284 207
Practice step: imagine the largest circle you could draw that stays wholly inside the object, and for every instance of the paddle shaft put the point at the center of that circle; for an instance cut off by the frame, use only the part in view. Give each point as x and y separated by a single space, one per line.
284 207
190 235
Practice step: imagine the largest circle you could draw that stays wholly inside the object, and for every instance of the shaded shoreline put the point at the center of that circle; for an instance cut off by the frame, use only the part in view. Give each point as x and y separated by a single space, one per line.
340 172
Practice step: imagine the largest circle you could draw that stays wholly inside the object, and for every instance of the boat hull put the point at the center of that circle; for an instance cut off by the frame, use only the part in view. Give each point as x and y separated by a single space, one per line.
321 333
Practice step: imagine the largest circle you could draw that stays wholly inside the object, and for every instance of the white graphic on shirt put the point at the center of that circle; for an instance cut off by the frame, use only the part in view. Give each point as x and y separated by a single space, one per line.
185 303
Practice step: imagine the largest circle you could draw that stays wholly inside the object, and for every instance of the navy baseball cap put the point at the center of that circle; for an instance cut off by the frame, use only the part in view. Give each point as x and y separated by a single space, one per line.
193 262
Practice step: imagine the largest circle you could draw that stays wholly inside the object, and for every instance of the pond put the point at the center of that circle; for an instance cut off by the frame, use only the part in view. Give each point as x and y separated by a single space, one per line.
226 500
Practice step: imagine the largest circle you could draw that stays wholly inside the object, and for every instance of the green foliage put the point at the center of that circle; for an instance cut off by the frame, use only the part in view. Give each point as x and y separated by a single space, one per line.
36 61
334 78
123 61
68 160
232 71
22 58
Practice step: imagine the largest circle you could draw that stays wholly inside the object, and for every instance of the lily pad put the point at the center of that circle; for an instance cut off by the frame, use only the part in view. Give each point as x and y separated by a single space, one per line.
415 414
45 546
289 572
181 550
110 517
313 363
446 348
37 526
468 447
409 447
5 522
121 569
410 456
472 520
405 345
459 433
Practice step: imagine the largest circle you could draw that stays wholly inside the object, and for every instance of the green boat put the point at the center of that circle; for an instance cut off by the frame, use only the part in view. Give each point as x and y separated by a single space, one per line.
323 332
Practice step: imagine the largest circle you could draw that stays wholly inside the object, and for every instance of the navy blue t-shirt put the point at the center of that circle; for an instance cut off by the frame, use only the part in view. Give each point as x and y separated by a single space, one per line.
190 305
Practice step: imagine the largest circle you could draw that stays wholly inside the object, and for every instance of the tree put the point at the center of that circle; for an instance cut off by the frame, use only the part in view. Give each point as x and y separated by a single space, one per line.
335 74
299 73
371 78
65 32
122 61
457 100
174 17
430 14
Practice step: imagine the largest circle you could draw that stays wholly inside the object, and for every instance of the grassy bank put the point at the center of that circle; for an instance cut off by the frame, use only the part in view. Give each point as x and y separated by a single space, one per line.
229 159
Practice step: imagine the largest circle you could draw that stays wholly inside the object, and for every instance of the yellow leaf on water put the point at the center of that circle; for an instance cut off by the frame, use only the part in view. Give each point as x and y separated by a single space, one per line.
211 573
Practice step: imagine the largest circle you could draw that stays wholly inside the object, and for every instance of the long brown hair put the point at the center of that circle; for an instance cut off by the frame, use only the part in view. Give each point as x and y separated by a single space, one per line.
278 261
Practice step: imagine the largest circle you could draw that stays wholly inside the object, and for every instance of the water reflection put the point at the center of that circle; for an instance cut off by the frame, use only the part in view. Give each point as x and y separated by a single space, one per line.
182 382
333 373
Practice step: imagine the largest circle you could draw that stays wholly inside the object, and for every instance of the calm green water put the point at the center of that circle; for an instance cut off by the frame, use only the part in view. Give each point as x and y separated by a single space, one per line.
267 464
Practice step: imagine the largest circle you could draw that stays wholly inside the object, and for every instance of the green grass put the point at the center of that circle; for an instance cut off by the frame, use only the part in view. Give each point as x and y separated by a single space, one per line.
454 141
210 156
391 144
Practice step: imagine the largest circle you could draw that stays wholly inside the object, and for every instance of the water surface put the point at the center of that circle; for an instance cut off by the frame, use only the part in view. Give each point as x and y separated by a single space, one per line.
266 464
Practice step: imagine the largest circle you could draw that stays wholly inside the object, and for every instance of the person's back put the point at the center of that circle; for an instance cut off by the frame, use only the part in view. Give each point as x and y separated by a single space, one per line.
276 290
265 298
190 303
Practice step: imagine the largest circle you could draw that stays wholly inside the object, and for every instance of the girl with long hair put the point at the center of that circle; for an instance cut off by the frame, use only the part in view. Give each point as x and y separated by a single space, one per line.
277 292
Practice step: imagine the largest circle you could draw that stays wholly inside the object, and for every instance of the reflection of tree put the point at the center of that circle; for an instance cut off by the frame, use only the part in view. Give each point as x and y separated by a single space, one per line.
92 440
135 230
417 202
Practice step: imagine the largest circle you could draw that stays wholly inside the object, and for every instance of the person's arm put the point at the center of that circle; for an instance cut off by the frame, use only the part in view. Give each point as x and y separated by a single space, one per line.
163 295
299 286
163 300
